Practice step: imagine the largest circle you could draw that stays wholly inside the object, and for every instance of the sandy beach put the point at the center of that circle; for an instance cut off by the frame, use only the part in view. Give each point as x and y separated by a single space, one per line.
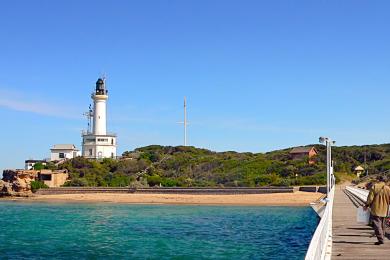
275 199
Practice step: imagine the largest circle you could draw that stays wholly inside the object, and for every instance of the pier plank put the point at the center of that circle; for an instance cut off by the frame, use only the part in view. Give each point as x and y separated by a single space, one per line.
352 240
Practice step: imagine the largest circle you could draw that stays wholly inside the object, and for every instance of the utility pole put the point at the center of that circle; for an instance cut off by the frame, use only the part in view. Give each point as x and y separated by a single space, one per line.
329 163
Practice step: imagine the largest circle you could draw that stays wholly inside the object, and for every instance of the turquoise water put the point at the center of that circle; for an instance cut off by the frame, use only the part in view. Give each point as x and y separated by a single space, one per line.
117 231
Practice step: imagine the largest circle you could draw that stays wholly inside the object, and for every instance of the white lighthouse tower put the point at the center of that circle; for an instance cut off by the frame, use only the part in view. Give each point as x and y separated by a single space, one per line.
98 144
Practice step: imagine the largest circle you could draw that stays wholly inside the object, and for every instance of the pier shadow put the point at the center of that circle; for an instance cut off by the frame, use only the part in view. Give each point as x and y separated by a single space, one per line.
354 201
362 235
365 228
353 243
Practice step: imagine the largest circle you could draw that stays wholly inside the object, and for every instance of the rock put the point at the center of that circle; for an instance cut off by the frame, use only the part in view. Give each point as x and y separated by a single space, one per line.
5 188
17 183
20 185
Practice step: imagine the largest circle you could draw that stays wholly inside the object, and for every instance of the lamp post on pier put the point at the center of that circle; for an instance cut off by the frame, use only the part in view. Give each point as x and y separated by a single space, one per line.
329 163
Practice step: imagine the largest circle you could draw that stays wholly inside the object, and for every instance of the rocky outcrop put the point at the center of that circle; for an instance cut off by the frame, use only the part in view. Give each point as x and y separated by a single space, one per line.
17 183
5 187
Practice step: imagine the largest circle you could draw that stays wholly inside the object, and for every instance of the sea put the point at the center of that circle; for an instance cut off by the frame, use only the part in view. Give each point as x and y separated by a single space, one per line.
35 230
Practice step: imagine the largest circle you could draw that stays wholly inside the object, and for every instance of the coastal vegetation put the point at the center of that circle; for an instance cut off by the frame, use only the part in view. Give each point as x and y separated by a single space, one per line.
193 167
36 185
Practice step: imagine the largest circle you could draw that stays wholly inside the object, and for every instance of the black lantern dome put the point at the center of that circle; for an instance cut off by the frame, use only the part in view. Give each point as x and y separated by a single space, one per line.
100 87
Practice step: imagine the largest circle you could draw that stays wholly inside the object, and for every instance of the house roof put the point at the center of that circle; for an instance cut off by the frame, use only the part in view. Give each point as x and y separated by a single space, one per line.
302 150
34 161
63 147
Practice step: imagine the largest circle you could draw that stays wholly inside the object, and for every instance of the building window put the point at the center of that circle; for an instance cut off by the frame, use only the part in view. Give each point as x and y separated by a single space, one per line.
112 155
112 141
102 140
90 152
45 177
61 155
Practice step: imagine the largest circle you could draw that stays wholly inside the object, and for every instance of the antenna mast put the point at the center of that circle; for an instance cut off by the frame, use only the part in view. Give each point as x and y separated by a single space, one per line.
185 121
89 116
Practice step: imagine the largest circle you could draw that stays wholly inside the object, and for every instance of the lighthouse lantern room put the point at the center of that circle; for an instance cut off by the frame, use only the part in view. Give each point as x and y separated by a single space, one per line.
98 144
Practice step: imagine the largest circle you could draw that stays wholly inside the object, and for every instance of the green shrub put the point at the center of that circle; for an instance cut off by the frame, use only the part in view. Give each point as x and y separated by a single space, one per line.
119 180
36 185
168 182
76 182
154 180
39 166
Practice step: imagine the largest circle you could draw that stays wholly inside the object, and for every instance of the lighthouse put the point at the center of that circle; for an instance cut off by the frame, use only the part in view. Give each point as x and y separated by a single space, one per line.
97 142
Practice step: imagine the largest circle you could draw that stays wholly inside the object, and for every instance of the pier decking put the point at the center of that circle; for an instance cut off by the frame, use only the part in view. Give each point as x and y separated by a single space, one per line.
350 239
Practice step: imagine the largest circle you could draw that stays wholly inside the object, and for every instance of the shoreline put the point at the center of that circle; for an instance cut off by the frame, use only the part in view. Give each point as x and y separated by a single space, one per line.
275 199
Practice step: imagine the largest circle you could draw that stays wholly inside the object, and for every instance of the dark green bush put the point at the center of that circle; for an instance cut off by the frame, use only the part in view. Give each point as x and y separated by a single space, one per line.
76 182
36 185
154 180
39 166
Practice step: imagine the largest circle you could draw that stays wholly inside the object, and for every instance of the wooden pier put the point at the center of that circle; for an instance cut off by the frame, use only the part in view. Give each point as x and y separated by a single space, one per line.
350 239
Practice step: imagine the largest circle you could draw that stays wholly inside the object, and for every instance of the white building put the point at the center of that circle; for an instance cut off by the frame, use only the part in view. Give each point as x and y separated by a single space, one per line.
29 164
63 151
98 144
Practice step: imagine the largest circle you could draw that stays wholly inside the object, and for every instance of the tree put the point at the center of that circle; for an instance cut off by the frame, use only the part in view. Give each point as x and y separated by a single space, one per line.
39 166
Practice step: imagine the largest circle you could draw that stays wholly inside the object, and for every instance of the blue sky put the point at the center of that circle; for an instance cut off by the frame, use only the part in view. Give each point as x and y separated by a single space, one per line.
259 75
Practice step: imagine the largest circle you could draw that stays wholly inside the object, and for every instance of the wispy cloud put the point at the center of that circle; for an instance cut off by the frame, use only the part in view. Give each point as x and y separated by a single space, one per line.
17 101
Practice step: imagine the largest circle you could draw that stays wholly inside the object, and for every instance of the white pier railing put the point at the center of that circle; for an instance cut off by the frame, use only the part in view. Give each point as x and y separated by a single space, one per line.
321 244
359 193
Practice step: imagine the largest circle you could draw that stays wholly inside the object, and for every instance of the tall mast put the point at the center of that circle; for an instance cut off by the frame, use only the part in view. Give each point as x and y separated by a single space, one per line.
185 121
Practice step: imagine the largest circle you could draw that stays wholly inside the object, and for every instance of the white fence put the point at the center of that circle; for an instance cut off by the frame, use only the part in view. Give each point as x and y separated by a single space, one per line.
321 244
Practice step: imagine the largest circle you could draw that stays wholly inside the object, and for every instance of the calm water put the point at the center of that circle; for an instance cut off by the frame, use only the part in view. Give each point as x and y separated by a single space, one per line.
112 231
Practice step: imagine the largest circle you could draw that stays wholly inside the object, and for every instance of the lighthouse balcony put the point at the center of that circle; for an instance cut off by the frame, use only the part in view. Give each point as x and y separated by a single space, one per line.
106 140
90 134
99 96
